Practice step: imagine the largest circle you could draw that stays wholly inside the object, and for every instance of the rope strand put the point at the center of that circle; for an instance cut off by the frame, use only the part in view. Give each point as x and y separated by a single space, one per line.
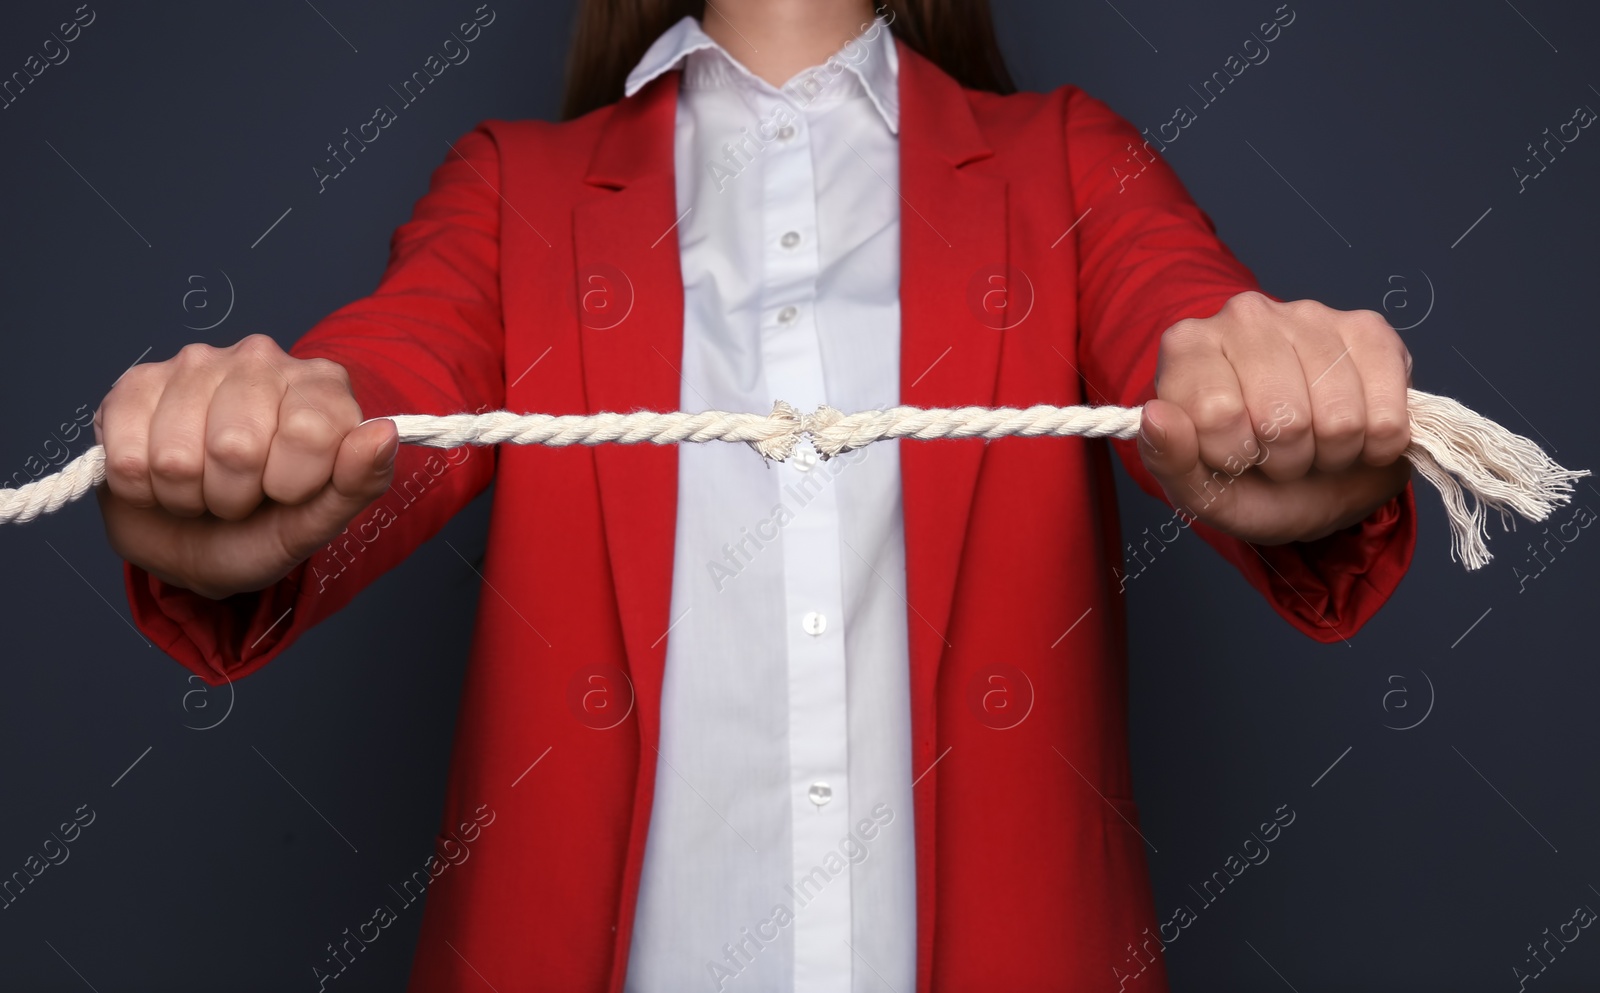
1476 464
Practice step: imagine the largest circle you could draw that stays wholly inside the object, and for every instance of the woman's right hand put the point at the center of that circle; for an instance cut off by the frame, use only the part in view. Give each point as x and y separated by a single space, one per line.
227 467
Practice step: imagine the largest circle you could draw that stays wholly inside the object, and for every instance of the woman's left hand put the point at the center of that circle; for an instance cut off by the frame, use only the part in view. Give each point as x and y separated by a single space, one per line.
1279 422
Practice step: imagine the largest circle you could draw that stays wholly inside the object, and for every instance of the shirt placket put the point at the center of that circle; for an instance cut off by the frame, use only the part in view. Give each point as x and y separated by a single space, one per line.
814 619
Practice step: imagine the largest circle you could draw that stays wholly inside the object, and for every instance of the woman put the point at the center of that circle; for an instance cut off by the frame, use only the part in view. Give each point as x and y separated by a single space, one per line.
845 725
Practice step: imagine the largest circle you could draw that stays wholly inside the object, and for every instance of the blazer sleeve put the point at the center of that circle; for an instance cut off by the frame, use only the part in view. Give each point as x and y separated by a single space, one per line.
1148 257
429 340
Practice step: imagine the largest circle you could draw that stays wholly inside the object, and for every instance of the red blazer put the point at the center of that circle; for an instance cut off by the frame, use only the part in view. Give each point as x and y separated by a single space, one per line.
1029 876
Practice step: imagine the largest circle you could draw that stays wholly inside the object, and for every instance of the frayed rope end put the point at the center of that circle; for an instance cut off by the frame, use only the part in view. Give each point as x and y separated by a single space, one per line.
1478 466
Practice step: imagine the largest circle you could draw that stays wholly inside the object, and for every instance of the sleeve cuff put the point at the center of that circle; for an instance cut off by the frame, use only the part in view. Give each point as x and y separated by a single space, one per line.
1330 588
219 640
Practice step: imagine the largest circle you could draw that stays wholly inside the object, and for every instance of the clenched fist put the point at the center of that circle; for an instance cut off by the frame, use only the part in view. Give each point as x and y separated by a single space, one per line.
227 467
1279 422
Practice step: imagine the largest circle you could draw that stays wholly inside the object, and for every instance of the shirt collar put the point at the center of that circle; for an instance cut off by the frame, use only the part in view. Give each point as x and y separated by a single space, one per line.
871 61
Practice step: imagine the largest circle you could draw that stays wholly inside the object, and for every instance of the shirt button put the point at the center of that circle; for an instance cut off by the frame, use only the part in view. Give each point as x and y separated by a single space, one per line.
790 239
814 624
820 793
788 314
785 133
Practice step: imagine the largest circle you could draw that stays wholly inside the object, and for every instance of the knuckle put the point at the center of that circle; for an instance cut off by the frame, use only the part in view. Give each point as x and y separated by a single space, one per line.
1372 331
237 446
196 355
127 471
253 349
1216 411
256 353
1184 336
1388 430
1305 310
307 428
178 464
1370 322
256 341
141 377
324 369
1250 302
1273 403
1287 429
1341 422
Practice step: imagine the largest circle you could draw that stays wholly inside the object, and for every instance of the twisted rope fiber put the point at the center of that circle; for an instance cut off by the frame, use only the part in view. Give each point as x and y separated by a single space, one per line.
774 435
1476 464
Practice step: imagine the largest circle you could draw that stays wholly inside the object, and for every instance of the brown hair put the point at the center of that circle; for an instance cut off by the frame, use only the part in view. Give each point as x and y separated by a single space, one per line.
612 36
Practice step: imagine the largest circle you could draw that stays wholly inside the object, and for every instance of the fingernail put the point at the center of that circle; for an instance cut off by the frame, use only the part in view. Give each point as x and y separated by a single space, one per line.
1152 434
387 453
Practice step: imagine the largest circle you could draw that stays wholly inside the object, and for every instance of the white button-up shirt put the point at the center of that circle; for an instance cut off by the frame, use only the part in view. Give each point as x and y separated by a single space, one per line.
780 852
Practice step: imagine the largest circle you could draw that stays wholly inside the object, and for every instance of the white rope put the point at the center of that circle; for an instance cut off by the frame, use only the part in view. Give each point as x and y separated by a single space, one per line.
1476 464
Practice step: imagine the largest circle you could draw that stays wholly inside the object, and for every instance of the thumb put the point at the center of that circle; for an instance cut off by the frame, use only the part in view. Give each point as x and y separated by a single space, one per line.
1169 446
362 470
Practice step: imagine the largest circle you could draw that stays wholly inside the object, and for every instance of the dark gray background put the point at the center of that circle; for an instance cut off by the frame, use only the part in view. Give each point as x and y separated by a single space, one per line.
1423 859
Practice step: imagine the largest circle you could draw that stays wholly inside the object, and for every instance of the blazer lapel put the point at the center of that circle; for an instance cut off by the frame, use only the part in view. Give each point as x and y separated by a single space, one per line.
630 308
954 290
